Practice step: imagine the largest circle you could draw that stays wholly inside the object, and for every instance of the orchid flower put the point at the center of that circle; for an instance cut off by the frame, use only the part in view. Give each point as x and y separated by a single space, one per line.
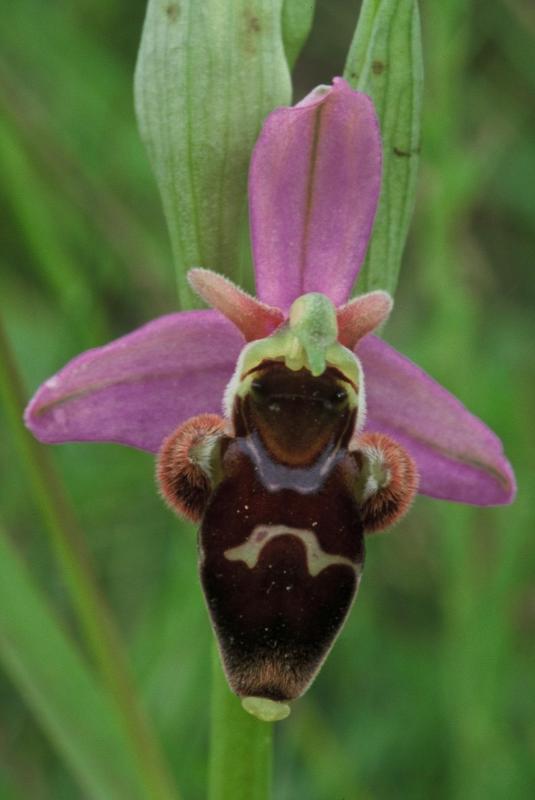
314 185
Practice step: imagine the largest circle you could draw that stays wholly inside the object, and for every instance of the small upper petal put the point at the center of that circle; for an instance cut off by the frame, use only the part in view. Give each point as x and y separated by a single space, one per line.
254 319
362 315
313 190
139 388
459 458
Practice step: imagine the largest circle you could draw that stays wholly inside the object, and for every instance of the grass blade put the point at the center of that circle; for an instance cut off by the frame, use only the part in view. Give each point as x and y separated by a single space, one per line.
64 696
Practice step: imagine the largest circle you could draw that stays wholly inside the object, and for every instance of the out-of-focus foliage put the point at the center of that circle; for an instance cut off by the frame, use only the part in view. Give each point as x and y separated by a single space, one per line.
430 691
64 696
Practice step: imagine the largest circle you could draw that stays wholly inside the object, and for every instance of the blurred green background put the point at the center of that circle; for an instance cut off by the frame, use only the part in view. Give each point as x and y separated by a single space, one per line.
430 691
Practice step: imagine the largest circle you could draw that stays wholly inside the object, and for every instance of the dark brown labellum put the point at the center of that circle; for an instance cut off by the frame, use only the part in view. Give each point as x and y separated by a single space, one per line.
284 496
282 542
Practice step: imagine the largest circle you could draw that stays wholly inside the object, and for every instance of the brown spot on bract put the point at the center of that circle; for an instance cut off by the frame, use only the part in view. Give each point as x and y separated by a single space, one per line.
251 29
253 23
172 10
378 67
406 153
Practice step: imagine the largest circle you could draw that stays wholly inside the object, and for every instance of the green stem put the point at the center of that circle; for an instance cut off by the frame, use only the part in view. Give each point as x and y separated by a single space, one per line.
241 746
73 557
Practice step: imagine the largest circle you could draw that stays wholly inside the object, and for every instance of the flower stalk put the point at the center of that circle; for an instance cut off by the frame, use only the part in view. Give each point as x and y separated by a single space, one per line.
241 746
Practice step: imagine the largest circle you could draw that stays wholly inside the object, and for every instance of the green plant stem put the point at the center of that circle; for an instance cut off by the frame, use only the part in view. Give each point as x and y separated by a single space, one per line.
73 557
241 746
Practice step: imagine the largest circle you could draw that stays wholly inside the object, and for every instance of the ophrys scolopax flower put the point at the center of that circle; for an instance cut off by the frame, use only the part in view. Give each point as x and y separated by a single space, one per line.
326 429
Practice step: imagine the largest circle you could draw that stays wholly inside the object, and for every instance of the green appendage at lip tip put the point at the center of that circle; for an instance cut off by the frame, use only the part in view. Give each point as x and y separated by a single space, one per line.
264 709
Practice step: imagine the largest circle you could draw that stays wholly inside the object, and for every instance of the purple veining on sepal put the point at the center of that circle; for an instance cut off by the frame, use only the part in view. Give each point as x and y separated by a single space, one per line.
314 185
139 388
458 457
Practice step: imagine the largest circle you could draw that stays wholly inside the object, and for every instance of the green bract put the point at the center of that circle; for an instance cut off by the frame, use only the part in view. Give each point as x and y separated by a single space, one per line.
297 16
385 61
208 73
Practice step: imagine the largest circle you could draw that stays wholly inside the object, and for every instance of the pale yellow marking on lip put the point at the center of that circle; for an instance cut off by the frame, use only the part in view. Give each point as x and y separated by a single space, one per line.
316 557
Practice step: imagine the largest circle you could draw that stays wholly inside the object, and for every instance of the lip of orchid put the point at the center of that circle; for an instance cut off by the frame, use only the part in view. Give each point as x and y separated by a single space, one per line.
314 184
